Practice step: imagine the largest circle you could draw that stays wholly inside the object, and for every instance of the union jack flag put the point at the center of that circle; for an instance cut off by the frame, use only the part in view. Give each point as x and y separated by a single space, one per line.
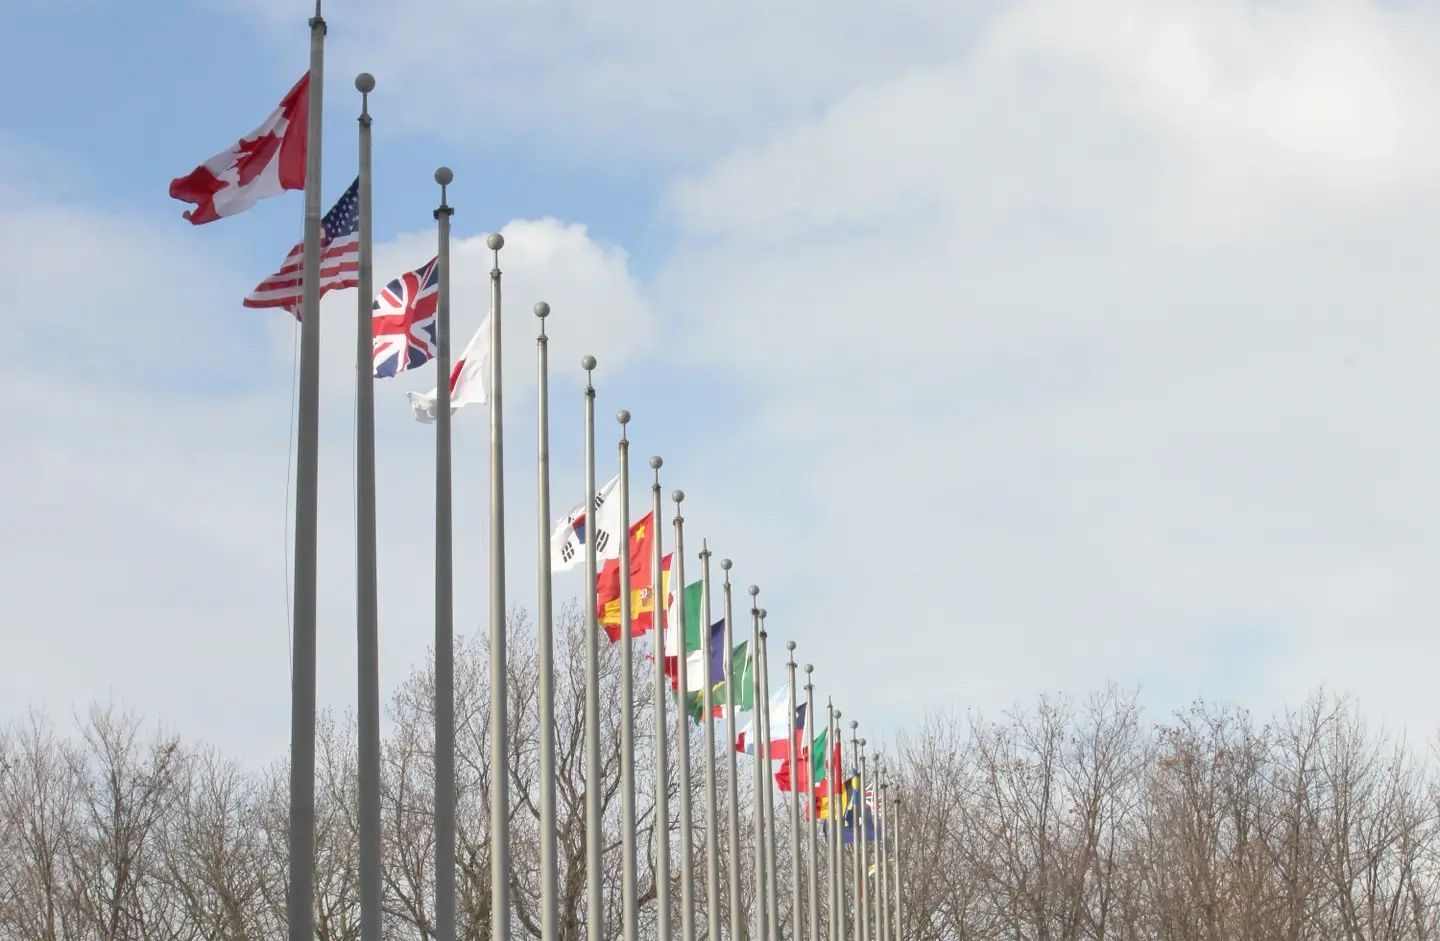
404 318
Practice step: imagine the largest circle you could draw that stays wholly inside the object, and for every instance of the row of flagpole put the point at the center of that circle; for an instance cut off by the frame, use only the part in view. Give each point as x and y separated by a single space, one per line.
805 905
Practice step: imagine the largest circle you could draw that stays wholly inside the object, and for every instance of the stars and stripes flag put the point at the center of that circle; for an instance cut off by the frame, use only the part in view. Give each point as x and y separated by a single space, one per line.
404 319
339 259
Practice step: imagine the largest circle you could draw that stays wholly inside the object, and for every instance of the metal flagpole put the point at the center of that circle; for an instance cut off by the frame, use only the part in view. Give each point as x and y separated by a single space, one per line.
899 875
857 820
367 619
682 734
301 896
499 678
793 749
594 911
863 836
733 804
811 854
882 866
707 704
444 595
761 705
837 857
549 863
662 758
628 896
767 779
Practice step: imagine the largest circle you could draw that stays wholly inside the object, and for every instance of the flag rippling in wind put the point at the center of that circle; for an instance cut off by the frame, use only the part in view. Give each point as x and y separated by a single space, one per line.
567 542
339 259
404 318
467 379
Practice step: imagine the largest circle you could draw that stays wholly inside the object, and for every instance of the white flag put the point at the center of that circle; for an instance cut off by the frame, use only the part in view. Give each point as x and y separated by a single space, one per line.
567 543
468 379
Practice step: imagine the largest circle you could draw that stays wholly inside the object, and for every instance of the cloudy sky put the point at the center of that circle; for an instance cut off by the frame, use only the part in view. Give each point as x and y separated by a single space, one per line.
1010 347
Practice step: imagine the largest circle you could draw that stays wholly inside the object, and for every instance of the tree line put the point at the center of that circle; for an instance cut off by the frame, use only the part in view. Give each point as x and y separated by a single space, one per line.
1071 820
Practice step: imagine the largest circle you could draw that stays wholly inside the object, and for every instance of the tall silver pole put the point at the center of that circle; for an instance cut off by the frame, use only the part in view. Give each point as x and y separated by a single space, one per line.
367 618
772 895
762 705
882 866
811 856
707 703
863 836
301 897
733 803
662 756
837 846
594 904
628 896
444 595
682 733
899 875
793 748
549 848
857 820
499 658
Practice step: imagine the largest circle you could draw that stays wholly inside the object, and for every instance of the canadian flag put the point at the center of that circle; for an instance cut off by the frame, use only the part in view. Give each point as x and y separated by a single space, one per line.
266 162
467 379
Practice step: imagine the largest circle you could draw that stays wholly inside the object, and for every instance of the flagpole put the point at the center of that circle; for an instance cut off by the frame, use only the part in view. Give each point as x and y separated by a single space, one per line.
366 593
899 875
444 594
301 897
707 704
499 671
863 835
794 754
594 911
882 864
837 858
857 820
814 900
549 866
662 757
767 778
760 706
628 897
682 732
733 781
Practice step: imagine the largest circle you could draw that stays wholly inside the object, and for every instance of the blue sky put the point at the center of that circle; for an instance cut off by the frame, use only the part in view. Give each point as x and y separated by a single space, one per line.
1014 349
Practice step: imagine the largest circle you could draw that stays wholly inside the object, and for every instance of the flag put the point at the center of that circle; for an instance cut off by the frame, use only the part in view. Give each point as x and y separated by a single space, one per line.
695 673
266 162
808 773
467 379
339 259
567 543
867 818
607 584
693 596
404 317
845 797
783 726
743 666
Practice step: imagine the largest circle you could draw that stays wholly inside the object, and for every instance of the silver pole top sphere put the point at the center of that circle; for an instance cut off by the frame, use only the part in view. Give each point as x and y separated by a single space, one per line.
444 176
587 362
809 668
495 241
838 713
789 645
754 590
862 743
656 463
854 724
364 83
762 614
725 564
542 309
677 495
623 417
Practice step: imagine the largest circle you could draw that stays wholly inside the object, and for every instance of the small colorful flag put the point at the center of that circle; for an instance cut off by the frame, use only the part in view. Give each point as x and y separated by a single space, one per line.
339 259
404 318
467 379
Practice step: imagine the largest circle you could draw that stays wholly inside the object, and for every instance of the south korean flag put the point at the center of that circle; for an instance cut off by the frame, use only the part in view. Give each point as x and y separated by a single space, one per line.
567 543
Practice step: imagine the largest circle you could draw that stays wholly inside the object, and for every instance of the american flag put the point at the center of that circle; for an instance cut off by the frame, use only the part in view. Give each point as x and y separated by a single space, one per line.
339 259
404 320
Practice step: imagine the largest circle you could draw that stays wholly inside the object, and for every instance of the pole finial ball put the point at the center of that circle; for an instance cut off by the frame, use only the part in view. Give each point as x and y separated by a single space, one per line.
725 564
495 241
809 668
364 83
587 363
677 495
542 309
623 416
754 590
854 724
444 176
656 463
762 614
789 645
862 743
838 713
